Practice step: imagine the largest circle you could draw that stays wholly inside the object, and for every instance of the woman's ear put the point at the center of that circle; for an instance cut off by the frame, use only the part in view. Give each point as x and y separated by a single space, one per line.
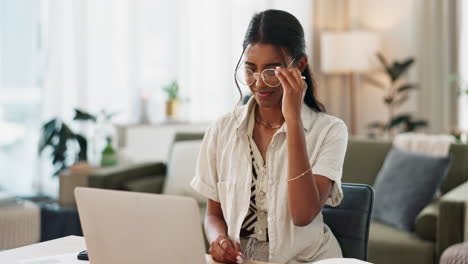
302 63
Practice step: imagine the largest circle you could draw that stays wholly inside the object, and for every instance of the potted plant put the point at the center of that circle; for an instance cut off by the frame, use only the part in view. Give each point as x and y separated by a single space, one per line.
396 94
172 103
67 147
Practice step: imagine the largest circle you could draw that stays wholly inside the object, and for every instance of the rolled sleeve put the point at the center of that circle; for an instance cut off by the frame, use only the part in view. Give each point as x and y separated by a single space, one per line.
330 158
206 178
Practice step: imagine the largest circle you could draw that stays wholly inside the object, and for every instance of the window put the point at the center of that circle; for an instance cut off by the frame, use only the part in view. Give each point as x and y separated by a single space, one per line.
19 93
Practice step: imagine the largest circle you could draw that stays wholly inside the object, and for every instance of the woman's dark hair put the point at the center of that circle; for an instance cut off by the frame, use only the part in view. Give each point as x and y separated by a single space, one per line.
281 29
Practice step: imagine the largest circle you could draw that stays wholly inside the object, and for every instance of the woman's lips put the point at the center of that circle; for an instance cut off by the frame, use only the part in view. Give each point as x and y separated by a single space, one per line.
264 94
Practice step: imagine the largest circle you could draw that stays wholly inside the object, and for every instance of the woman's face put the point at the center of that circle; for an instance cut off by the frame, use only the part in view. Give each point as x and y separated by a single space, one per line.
259 57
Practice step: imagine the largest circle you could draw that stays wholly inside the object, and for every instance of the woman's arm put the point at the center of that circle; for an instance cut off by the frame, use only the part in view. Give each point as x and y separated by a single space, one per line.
221 248
308 193
215 225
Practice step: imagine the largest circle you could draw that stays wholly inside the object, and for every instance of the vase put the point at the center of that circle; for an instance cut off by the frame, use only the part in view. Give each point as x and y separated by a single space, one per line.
172 109
144 118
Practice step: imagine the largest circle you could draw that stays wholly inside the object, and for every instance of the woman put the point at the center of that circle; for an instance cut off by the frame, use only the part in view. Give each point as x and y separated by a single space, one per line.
268 167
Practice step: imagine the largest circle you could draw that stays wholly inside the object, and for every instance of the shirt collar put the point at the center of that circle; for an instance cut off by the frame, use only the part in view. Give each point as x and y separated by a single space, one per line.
307 116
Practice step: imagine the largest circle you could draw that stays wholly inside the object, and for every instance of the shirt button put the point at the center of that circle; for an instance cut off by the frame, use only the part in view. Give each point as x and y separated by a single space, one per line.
260 232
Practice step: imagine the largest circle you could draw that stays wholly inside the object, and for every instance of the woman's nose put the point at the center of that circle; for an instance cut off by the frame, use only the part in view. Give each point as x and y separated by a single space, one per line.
259 83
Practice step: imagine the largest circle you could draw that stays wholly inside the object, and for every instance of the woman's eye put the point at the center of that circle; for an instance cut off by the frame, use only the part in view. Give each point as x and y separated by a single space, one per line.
270 72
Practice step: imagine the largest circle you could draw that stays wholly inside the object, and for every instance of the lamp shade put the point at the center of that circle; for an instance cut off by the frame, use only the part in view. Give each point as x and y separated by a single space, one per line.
349 51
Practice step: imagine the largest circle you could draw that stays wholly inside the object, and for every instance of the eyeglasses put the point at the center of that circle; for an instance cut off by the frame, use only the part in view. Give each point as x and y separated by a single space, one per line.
248 77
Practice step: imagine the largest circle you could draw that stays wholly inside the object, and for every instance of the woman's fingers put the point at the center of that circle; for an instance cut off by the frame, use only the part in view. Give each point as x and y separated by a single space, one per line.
294 81
229 247
298 75
237 247
219 254
223 250
283 80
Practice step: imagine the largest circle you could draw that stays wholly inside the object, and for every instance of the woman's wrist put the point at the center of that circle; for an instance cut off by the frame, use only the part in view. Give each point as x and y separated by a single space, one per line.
219 237
294 123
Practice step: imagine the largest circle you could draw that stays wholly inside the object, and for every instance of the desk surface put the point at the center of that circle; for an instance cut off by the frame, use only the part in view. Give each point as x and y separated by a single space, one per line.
61 246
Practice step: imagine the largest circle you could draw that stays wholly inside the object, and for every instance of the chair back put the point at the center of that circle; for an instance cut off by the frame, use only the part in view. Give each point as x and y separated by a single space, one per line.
350 220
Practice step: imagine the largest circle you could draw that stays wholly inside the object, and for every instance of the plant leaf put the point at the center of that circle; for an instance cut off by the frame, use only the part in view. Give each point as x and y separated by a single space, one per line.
48 131
384 62
413 125
83 116
82 154
398 68
388 100
407 87
398 120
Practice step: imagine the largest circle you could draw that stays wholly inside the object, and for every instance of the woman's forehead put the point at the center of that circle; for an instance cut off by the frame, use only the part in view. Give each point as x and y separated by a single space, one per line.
261 53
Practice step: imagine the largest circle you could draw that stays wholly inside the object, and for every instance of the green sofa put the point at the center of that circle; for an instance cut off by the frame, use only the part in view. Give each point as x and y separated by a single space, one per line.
442 223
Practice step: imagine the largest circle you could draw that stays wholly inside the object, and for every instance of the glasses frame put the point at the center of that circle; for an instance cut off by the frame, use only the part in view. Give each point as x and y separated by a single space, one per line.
261 74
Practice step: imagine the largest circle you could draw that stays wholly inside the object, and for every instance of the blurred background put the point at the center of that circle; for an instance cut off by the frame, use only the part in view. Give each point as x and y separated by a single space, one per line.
117 94
146 66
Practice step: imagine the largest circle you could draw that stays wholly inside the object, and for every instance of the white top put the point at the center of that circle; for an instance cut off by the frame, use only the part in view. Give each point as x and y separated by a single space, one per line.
224 174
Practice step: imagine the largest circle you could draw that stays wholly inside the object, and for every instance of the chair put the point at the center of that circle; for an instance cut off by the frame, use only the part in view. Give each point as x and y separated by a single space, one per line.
350 220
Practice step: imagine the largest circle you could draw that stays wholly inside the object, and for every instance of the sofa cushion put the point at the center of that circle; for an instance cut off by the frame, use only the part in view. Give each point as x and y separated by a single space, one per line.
388 245
150 184
363 160
406 184
426 222
181 169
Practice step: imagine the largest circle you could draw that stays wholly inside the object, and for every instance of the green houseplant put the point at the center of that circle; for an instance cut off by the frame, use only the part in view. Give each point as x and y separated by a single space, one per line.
67 147
396 94
172 103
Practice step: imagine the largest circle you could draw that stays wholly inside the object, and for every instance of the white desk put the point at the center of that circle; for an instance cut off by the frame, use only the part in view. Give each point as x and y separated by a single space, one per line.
72 245
68 245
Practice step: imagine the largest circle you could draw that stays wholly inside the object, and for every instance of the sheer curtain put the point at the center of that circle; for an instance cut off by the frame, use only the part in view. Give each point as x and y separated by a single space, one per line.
108 54
89 57
463 100
438 58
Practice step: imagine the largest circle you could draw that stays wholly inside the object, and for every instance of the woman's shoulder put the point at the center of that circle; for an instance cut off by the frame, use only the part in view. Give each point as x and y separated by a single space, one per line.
330 122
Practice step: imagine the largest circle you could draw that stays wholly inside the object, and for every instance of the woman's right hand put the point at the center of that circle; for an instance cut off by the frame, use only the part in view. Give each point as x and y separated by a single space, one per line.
225 251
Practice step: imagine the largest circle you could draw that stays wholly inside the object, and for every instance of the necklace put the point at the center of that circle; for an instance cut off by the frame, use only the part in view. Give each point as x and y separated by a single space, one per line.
267 125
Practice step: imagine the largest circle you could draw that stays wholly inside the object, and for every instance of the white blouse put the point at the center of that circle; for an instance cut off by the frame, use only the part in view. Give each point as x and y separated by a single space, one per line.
224 174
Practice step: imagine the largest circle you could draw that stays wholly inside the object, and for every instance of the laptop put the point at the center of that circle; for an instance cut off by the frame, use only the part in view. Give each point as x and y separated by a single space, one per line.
128 227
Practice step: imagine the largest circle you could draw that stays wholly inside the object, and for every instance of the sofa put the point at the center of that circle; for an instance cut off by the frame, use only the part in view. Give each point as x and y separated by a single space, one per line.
439 225
442 223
